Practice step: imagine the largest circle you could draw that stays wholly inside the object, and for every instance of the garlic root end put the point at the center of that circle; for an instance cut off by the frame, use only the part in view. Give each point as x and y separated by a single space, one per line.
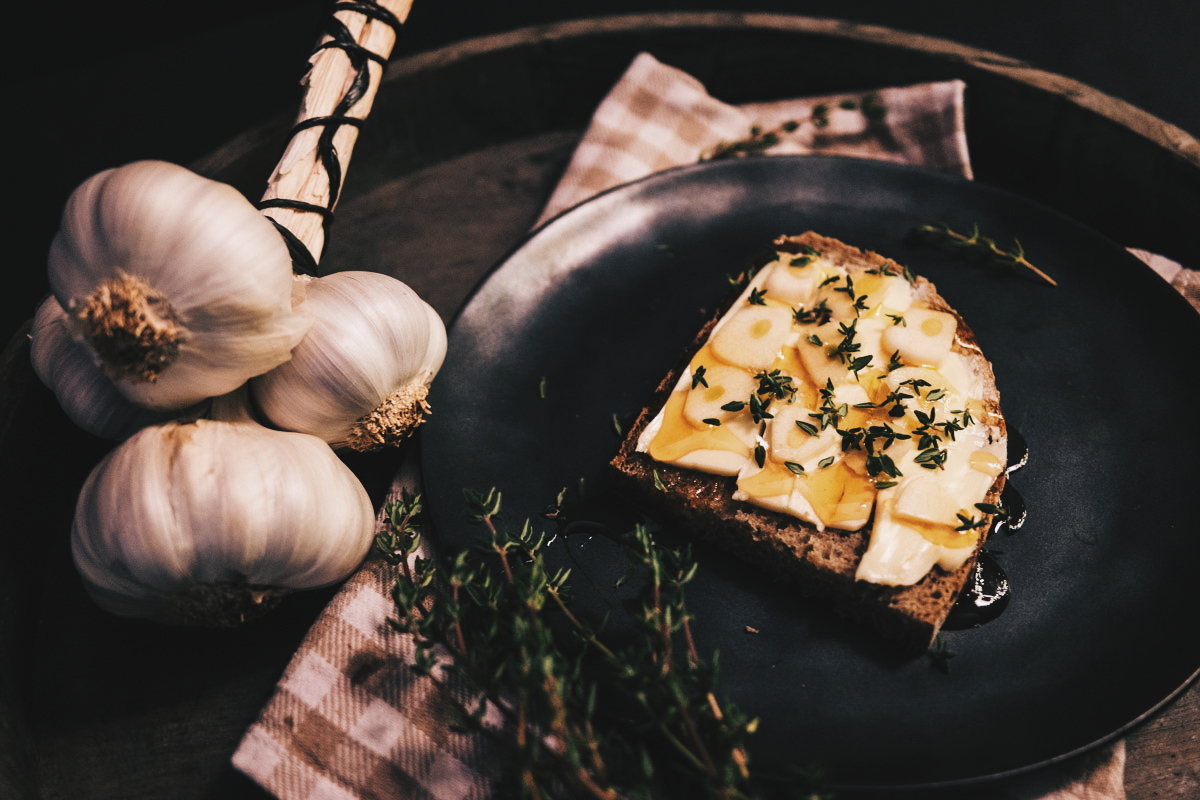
392 421
132 328
223 605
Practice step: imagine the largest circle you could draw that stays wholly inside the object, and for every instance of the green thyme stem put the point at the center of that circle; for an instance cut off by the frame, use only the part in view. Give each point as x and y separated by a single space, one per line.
981 244
508 573
738 753
583 631
689 724
522 728
459 635
680 747
664 629
693 653
500 551
595 789
688 720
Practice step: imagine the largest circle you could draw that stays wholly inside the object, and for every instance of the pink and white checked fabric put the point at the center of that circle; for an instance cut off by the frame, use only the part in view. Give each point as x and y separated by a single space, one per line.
349 720
657 117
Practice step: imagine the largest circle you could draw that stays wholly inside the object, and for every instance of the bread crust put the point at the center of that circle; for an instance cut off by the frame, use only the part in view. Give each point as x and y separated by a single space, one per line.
819 564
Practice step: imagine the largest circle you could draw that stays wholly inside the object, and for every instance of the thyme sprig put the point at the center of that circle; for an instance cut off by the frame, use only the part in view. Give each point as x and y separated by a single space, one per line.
975 242
583 717
759 139
846 349
758 142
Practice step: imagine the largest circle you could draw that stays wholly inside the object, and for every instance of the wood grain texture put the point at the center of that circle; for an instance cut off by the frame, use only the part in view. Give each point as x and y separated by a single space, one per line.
1164 753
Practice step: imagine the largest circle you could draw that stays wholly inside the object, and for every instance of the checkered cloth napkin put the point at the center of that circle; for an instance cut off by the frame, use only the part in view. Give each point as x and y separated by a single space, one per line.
349 720
657 117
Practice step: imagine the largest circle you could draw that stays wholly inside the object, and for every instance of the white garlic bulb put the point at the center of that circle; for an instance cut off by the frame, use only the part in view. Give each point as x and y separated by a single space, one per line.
85 393
209 522
360 377
177 283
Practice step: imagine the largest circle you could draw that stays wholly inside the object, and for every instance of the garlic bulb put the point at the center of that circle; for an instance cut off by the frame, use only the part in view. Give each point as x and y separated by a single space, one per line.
178 284
360 377
209 522
85 393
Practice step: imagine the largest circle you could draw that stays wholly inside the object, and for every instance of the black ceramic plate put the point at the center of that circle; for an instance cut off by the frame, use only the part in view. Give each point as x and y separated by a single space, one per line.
598 304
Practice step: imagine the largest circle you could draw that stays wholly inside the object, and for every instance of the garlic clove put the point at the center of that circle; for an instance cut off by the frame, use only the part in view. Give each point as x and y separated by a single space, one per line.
360 377
84 392
177 283
211 521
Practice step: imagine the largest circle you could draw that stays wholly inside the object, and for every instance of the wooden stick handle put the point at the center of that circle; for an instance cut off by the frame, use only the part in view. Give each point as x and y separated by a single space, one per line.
343 78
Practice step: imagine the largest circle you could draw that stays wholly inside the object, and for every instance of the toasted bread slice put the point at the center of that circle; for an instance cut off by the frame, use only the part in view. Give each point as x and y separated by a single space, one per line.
822 560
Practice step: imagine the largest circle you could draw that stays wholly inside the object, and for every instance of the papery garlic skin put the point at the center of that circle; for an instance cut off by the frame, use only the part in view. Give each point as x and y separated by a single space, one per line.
360 376
207 522
177 282
85 393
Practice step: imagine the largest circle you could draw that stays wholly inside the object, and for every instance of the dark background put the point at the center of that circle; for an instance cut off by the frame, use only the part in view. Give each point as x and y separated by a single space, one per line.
103 84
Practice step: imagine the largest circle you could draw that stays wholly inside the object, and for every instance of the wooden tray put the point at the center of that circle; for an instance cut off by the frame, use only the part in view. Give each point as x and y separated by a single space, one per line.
462 149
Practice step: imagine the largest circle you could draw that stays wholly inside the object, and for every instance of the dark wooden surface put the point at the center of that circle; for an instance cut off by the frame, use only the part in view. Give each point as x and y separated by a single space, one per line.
463 148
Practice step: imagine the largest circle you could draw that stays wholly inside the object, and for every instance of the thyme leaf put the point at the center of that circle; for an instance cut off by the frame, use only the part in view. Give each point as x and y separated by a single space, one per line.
969 523
758 408
807 427
992 508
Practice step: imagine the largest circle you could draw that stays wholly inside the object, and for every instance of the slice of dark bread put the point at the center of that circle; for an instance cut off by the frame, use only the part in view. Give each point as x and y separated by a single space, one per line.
818 563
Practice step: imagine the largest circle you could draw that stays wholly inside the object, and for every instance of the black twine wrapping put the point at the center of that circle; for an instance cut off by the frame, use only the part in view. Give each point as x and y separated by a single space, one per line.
303 261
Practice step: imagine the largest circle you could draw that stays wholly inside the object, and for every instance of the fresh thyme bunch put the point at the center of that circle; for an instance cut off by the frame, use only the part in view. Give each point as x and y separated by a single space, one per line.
581 718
